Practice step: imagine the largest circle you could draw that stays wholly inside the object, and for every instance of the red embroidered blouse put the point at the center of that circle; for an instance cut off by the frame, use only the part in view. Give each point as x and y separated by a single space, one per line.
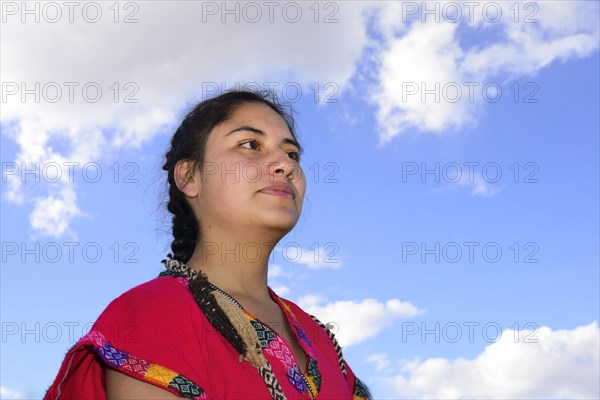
156 332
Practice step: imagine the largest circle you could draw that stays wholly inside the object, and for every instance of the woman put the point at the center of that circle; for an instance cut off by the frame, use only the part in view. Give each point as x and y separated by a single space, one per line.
209 327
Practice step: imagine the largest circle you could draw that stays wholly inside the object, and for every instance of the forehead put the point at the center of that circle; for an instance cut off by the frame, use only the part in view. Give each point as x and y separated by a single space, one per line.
256 115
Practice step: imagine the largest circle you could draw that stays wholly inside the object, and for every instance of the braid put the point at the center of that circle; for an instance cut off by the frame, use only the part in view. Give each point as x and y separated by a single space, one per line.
203 292
185 226
201 289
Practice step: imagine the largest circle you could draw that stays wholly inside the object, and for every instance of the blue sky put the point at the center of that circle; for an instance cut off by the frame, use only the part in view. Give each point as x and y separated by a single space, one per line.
412 326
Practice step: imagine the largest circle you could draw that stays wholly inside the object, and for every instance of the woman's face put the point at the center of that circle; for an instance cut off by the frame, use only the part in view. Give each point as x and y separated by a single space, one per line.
251 177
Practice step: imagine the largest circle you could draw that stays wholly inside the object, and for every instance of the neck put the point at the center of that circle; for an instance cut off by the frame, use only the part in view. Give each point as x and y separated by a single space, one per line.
235 264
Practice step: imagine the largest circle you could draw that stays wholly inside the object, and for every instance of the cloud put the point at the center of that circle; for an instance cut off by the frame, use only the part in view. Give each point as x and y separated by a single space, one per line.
431 79
11 394
380 360
321 257
52 214
117 85
475 184
275 270
559 364
281 290
355 322
562 31
424 59
480 187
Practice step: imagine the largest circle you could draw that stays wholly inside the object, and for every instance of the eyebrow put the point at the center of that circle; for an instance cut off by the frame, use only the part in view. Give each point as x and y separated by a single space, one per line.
262 133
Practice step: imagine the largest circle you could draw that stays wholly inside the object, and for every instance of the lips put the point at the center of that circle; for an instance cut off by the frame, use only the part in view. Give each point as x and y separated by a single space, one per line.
279 189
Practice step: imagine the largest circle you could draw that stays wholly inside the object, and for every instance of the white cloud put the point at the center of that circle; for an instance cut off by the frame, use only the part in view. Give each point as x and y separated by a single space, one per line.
281 290
11 394
429 80
317 257
564 30
475 184
275 270
424 58
561 364
163 62
380 360
52 214
355 322
480 187
320 257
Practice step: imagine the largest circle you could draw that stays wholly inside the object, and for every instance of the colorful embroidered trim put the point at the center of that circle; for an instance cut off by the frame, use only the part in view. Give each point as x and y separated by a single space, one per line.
308 384
271 343
234 328
336 345
138 368
360 391
313 376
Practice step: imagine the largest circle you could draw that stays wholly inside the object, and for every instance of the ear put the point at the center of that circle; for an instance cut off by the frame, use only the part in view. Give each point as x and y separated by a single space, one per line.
185 180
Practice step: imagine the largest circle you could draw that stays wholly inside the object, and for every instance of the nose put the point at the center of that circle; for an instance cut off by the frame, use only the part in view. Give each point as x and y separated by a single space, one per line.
285 166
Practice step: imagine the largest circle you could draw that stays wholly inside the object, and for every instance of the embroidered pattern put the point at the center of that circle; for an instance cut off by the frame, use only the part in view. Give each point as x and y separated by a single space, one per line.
265 335
270 342
360 391
272 384
142 369
314 375
232 321
336 345
309 383
184 386
275 346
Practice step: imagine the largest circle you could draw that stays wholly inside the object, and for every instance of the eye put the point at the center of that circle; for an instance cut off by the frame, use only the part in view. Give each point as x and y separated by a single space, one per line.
294 155
254 145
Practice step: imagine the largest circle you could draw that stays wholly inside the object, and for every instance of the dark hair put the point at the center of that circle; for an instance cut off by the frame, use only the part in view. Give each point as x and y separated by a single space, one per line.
189 143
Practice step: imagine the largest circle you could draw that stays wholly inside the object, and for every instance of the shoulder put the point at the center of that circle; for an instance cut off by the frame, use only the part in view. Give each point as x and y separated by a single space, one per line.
160 292
158 306
157 288
146 333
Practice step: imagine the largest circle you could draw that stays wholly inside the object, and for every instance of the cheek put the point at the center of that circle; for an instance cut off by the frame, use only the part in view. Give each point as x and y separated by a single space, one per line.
229 169
251 172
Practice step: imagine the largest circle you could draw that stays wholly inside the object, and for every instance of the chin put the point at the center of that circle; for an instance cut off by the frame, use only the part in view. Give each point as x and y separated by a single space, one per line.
280 223
282 226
